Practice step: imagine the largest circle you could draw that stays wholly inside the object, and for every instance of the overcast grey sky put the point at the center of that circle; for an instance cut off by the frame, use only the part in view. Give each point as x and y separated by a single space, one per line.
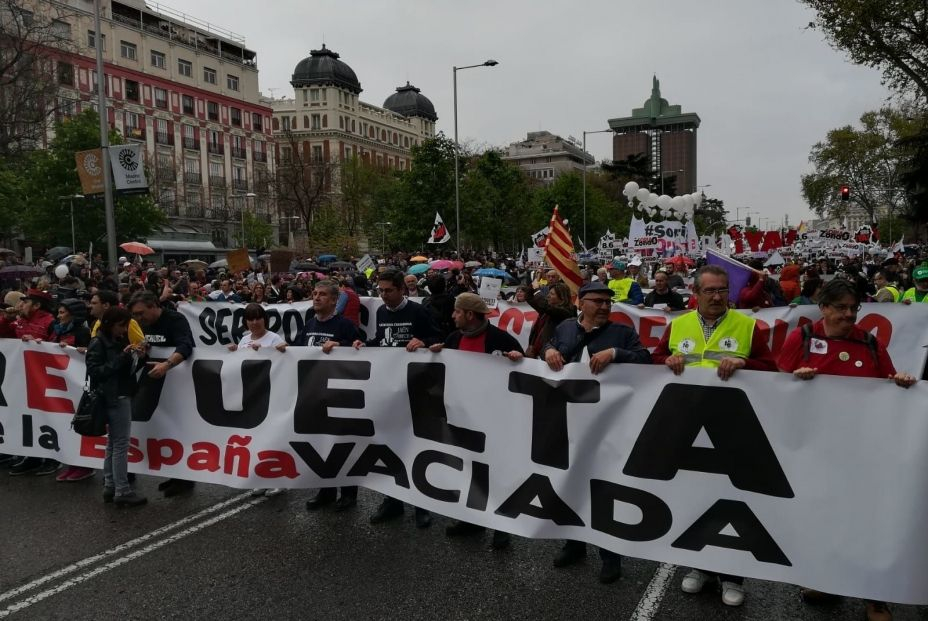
765 88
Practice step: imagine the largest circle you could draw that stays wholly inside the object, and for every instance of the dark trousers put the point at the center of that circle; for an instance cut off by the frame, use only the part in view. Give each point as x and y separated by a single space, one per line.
604 554
390 501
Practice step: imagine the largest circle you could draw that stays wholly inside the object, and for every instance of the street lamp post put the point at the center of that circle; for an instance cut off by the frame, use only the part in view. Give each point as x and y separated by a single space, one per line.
457 147
245 196
70 198
597 131
383 235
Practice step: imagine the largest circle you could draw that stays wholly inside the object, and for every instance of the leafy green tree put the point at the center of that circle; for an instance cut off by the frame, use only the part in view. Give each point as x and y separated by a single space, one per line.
889 35
710 217
258 232
869 160
48 175
427 187
495 204
360 184
566 191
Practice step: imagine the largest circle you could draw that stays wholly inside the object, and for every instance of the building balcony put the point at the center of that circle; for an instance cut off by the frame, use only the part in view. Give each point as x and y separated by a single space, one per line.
215 181
238 152
192 143
240 184
217 213
194 211
216 148
164 138
259 156
170 209
135 133
193 178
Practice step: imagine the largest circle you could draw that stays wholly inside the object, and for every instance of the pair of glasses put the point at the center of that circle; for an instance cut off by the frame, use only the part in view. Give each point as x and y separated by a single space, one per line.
843 308
599 301
713 292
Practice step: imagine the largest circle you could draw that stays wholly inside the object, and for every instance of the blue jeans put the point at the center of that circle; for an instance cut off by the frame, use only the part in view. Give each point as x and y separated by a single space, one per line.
116 462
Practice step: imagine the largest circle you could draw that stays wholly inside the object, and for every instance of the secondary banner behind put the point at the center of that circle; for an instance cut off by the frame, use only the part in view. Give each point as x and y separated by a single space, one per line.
817 483
904 329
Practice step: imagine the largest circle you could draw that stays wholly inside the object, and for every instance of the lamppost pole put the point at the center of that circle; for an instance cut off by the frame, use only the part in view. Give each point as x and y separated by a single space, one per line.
457 148
70 198
583 157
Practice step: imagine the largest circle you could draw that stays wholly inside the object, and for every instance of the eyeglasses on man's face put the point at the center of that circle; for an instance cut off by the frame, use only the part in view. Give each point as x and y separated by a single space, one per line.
711 292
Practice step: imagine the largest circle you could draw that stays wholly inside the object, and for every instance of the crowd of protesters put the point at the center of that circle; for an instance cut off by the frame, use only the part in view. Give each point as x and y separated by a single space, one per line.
115 317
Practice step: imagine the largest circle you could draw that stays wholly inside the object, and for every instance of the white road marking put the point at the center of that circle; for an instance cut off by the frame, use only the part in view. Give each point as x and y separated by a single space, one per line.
38 597
90 560
653 595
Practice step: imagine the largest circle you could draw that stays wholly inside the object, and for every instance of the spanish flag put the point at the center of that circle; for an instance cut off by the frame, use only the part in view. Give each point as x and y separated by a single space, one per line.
559 250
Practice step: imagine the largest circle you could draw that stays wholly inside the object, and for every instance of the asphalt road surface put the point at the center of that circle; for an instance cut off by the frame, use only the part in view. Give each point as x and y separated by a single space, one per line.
219 553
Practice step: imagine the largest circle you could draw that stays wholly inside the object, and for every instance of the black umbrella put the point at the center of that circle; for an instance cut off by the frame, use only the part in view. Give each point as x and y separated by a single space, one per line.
342 265
19 271
306 266
57 253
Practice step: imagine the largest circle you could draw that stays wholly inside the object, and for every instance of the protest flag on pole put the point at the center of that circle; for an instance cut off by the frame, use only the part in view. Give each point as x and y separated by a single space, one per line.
559 249
738 273
440 232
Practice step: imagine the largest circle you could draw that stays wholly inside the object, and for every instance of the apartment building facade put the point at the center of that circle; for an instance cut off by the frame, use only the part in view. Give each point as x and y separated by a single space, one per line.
188 91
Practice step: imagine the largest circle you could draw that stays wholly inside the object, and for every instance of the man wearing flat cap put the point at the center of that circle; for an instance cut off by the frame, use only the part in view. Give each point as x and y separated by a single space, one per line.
606 343
475 334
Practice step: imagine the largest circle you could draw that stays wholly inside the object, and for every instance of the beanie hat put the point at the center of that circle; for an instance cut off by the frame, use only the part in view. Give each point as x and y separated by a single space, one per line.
471 302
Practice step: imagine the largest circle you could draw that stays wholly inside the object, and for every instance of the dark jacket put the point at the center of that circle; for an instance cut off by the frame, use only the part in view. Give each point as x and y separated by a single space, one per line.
571 339
110 368
496 341
397 328
171 330
549 316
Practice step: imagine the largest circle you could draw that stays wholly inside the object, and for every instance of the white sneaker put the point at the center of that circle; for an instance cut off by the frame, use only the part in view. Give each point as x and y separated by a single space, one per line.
694 581
273 491
258 492
732 594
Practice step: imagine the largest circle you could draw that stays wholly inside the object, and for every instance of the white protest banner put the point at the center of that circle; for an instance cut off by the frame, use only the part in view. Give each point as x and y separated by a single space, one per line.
489 290
535 256
904 329
760 476
127 162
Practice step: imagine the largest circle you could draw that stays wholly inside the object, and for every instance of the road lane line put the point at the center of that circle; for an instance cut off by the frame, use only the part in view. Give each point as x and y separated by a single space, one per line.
653 595
67 584
90 560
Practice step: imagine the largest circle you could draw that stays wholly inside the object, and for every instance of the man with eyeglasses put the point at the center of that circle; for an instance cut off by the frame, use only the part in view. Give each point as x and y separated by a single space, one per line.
163 328
605 342
715 337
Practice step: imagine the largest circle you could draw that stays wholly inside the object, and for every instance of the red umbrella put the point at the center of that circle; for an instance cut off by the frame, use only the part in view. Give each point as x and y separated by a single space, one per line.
136 248
677 260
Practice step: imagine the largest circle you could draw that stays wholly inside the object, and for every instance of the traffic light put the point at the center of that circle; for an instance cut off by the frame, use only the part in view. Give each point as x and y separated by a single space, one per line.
845 193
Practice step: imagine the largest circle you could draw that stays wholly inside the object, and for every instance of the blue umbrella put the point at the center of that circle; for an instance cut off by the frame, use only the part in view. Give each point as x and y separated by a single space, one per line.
325 258
420 268
493 272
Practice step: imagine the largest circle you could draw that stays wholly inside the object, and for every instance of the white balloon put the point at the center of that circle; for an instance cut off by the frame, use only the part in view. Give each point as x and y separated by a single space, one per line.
687 198
698 200
677 203
61 271
643 194
631 188
664 201
652 200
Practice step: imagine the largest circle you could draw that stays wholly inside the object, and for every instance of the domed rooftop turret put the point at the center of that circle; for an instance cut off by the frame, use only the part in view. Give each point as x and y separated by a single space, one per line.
409 101
324 68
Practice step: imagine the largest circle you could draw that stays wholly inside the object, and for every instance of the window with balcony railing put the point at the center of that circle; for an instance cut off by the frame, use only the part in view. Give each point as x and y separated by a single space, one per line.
135 133
259 156
240 184
256 121
216 148
161 98
238 152
217 181
192 178
191 143
186 104
212 111
164 137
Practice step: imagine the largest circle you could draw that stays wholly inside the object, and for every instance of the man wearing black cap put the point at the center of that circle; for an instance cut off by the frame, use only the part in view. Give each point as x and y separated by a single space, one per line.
606 343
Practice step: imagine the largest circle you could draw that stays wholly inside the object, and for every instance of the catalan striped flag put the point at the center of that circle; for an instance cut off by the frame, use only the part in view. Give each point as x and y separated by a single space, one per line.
559 250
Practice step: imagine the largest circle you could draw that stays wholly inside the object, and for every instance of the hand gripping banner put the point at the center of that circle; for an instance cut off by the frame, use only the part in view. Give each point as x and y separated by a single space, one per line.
819 483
